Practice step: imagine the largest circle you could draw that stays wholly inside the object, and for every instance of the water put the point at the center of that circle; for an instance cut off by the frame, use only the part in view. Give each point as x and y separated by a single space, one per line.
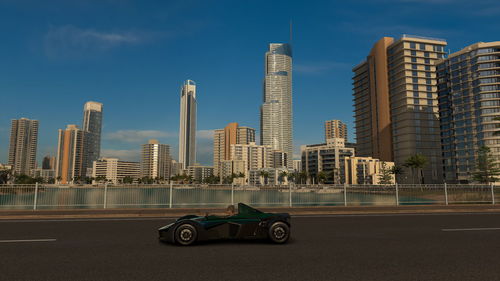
129 197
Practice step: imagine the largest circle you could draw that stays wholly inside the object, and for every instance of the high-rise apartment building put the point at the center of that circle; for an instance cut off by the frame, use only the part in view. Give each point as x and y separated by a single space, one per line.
469 103
224 138
276 110
187 127
335 129
395 97
92 124
49 162
156 160
23 144
71 162
372 105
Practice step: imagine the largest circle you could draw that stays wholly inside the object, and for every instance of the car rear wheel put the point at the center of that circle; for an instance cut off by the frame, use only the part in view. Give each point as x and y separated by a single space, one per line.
186 234
279 232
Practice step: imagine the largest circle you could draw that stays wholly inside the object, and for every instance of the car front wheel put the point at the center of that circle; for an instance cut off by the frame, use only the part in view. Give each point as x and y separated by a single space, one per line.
186 234
279 232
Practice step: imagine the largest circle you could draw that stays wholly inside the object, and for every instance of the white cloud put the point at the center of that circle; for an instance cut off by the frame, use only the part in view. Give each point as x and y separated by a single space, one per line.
68 40
125 155
137 136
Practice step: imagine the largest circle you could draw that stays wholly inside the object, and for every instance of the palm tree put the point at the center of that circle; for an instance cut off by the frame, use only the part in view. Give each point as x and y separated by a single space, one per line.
416 163
396 171
292 176
321 177
303 177
262 173
283 176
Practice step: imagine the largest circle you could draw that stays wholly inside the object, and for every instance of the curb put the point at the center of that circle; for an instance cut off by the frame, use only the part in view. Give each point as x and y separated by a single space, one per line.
170 213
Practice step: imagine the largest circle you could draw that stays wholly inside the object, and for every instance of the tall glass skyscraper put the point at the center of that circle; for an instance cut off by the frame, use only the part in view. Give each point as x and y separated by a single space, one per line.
276 111
92 124
187 127
469 103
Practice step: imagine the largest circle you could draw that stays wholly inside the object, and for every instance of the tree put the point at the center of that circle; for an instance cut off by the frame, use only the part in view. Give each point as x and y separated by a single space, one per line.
486 166
385 176
417 163
128 180
5 176
303 177
292 176
23 179
264 175
321 177
396 171
283 177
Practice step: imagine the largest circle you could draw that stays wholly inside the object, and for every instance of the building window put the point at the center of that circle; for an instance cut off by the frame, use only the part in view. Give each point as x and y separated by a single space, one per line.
422 46
413 45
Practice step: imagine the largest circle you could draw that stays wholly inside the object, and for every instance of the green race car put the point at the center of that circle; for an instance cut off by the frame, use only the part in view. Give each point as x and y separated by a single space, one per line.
247 223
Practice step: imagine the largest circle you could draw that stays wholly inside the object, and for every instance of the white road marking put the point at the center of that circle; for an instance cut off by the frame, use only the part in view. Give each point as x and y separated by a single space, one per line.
472 229
28 240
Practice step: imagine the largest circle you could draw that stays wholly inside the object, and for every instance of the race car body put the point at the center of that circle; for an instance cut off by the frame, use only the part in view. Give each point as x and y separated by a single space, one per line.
248 223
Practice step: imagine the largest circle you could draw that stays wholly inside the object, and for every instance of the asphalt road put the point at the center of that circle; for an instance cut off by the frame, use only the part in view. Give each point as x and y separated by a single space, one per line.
372 247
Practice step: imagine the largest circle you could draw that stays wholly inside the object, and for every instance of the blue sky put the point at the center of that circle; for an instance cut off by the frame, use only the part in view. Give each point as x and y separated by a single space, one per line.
134 55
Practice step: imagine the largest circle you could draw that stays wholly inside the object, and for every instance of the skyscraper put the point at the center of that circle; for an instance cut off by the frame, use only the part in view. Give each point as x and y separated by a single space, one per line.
187 127
395 97
49 162
276 110
23 144
156 160
335 129
371 104
469 93
224 138
71 163
92 124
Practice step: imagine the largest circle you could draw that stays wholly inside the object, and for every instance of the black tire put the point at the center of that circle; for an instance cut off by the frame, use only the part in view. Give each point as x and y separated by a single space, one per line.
186 234
279 232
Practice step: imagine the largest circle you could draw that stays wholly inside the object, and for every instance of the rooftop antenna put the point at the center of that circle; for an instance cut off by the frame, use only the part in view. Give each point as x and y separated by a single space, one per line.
290 31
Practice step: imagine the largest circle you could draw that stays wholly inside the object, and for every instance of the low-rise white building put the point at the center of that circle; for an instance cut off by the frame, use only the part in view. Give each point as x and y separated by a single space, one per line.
200 173
115 170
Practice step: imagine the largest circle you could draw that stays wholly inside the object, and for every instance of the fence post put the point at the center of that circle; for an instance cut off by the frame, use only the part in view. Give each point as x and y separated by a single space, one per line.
170 196
290 194
345 194
232 194
446 193
492 194
397 195
105 195
36 196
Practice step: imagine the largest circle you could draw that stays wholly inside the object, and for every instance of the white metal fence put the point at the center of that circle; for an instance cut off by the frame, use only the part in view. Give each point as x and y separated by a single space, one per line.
192 196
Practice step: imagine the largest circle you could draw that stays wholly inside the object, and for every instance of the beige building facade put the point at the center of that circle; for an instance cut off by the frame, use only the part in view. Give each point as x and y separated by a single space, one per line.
114 170
335 129
395 98
365 170
23 145
223 139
